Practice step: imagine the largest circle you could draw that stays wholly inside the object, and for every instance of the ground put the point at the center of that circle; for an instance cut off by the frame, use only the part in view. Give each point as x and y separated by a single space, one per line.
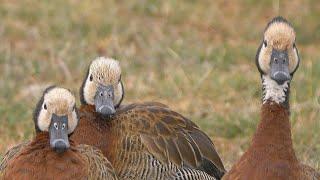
195 56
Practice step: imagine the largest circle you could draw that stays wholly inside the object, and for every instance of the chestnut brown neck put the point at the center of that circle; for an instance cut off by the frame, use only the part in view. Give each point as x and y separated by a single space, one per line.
93 130
274 131
96 120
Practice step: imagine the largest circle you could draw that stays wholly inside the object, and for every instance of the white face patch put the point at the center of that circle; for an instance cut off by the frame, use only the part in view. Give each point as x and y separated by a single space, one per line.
72 122
273 91
89 91
264 58
118 93
279 36
105 71
57 101
295 59
44 120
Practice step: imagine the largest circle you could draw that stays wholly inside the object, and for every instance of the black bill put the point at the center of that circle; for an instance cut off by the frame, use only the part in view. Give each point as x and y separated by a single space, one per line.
58 132
103 100
279 66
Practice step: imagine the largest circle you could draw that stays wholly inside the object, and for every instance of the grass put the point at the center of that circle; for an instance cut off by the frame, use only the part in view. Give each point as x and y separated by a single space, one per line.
195 56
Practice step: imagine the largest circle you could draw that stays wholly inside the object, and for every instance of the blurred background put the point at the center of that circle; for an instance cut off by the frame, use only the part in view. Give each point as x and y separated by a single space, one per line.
195 56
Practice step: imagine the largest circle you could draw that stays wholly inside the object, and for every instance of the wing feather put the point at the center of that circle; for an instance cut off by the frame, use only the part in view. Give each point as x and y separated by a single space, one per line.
99 166
170 137
10 154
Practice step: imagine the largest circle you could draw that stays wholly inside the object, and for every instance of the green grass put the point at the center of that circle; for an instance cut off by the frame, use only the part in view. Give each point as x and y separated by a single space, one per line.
195 56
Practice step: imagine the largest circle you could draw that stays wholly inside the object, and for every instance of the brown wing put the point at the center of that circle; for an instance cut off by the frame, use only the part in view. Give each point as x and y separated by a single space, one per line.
10 154
99 166
170 137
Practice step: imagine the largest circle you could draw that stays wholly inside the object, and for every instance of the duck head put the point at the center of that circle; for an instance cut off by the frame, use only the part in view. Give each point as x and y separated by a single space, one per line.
102 86
56 114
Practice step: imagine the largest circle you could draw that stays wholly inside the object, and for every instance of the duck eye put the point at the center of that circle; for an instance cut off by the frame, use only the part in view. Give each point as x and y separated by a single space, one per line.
63 125
55 125
265 43
91 77
45 106
294 45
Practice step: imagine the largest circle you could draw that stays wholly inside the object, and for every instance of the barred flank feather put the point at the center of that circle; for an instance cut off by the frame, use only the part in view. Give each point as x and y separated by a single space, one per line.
10 154
99 166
